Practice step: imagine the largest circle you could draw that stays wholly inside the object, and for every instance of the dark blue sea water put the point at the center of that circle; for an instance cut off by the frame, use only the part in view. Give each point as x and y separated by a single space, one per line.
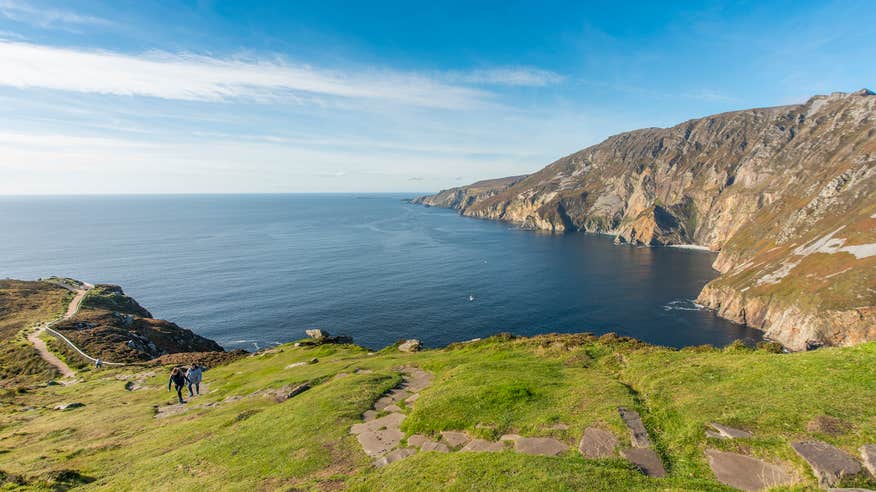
254 270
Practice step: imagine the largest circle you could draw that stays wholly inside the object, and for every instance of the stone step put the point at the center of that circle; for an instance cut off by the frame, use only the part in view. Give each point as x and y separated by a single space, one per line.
829 464
645 460
597 443
747 473
638 433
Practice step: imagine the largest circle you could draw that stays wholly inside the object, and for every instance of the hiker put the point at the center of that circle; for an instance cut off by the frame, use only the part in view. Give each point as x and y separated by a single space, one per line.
178 379
194 376
98 363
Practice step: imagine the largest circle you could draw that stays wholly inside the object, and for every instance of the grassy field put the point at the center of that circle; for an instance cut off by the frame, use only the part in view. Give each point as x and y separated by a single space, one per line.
22 305
238 436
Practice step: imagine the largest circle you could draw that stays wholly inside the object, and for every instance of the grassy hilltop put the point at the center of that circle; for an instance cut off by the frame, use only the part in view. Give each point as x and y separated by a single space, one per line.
245 433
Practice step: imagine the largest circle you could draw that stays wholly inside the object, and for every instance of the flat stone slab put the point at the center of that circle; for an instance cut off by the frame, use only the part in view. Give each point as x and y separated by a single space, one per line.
412 398
392 408
868 455
597 443
828 463
455 438
392 421
541 446
638 433
645 460
438 447
484 446
383 402
369 415
727 432
377 443
417 440
398 454
747 473
397 394
415 379
510 437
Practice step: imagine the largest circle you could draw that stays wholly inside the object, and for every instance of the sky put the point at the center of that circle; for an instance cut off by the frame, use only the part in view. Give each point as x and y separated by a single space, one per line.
274 96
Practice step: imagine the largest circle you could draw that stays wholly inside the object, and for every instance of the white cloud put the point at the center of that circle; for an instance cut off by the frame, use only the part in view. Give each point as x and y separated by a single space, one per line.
515 76
201 78
46 17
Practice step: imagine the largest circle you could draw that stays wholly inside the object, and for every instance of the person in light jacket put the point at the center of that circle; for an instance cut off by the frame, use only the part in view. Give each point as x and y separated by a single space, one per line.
194 375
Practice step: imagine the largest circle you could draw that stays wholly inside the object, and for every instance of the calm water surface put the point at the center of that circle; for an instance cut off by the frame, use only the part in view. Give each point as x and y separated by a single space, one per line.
254 270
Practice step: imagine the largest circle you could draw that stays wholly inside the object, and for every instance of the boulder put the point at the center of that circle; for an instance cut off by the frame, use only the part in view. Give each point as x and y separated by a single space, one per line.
316 334
301 388
829 464
412 345
597 443
747 473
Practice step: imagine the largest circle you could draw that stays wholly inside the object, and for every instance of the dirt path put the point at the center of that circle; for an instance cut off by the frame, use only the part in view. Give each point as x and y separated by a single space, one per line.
40 345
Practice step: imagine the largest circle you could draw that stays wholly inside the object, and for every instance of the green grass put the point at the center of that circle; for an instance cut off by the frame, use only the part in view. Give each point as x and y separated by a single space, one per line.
239 437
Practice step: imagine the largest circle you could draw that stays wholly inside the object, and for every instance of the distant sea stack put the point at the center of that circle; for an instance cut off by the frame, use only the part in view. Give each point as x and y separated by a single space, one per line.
785 194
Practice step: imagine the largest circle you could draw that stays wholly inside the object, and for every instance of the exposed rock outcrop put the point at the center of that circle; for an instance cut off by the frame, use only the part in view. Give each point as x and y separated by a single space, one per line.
786 194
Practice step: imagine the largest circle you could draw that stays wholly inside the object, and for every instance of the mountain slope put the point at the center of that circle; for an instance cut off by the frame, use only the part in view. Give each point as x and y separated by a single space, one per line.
786 194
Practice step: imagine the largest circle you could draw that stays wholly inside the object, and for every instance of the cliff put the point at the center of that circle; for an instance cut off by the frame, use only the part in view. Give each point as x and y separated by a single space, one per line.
785 194
114 327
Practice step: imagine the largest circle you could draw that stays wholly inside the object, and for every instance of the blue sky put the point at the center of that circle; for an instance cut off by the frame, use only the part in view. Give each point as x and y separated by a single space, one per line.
223 97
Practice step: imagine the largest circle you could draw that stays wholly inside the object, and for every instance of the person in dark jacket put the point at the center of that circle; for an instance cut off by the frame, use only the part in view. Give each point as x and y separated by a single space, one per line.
178 379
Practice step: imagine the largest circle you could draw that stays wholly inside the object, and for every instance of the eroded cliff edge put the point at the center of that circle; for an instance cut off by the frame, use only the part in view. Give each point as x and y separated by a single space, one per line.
785 194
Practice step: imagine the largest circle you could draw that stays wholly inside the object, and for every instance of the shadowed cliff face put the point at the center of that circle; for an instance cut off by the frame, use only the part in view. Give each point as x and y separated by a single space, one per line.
785 194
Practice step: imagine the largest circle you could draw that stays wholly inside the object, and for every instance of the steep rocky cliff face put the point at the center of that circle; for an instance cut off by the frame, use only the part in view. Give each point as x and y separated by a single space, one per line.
786 194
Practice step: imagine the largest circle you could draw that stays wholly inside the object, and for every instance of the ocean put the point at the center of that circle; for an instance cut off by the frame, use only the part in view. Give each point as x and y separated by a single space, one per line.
252 271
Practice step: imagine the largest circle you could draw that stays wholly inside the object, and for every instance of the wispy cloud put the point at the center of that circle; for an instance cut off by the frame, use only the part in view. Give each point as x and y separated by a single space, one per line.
202 78
515 76
46 17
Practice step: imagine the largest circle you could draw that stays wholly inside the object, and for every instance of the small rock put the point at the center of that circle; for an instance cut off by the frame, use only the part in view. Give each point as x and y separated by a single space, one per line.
597 443
412 345
747 473
313 361
540 446
868 455
646 460
392 457
729 432
363 371
69 406
638 433
830 426
296 364
316 334
455 438
52 383
828 463
484 446
301 388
